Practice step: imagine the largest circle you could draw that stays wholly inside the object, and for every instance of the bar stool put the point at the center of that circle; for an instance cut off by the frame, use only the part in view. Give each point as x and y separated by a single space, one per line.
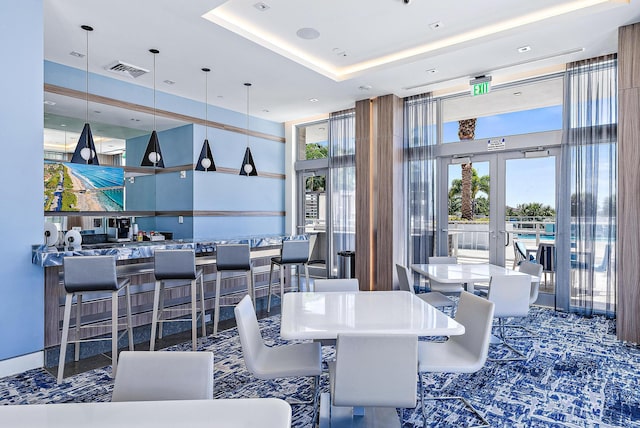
171 265
92 274
232 258
292 253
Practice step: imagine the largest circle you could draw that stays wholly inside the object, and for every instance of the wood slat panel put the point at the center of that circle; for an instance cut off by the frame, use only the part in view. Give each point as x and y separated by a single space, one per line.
390 216
628 251
628 254
365 261
628 58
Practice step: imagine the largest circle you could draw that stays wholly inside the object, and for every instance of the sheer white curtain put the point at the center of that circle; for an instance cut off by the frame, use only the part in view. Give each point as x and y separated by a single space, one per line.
342 170
420 136
589 179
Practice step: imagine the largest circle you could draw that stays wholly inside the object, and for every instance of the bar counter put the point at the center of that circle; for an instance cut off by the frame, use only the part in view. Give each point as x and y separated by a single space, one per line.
135 261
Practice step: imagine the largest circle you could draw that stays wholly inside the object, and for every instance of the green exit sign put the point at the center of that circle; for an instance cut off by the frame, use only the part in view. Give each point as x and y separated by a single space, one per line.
480 88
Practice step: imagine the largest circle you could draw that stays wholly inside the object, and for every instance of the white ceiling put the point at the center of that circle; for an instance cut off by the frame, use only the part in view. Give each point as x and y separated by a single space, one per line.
387 46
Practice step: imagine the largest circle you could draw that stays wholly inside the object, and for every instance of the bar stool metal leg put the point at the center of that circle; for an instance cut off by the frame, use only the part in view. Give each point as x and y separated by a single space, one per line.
65 336
129 320
203 321
114 332
194 316
76 345
216 314
161 311
269 290
154 319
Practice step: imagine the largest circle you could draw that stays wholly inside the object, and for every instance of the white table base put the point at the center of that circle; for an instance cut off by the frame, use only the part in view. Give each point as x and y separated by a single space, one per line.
349 417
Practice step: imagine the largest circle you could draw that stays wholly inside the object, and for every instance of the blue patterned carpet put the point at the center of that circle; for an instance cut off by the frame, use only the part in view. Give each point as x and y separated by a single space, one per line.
576 375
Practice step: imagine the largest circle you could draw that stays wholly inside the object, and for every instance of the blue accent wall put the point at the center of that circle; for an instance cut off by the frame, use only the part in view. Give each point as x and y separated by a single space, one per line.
22 285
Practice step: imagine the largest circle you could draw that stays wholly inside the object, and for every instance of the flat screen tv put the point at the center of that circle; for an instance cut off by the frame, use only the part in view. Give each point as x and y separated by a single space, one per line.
78 187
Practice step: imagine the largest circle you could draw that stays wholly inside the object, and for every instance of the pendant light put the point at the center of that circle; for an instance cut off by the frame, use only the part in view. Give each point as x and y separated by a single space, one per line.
85 151
205 161
248 167
153 155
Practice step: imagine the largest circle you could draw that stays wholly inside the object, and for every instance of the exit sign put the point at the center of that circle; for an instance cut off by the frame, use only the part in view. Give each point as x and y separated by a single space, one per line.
480 88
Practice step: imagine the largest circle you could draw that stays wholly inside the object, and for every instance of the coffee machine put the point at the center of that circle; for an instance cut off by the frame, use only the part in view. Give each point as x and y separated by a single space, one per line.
119 229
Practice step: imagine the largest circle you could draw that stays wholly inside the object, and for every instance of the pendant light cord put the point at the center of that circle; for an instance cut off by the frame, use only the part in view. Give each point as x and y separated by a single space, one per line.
87 82
154 91
248 85
206 105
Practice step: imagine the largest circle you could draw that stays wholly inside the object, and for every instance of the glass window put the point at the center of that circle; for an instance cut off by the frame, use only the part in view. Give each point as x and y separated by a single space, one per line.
313 140
522 109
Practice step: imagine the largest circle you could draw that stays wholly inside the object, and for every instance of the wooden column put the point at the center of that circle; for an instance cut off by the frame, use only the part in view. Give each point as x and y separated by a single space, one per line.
390 213
380 225
365 254
628 252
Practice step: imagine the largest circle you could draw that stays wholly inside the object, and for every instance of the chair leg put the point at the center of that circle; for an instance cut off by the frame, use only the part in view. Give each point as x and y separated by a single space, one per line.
129 320
250 284
298 277
76 345
203 321
154 319
65 336
520 356
194 316
114 333
306 275
316 393
282 268
484 422
216 313
269 289
161 311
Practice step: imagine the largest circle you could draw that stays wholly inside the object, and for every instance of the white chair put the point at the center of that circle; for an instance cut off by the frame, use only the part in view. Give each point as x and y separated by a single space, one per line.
164 375
433 298
292 253
232 258
510 294
440 286
177 265
465 353
374 370
300 359
92 274
335 284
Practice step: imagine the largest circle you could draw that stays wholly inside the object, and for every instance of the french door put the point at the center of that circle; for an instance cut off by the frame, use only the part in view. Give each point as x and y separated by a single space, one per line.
513 197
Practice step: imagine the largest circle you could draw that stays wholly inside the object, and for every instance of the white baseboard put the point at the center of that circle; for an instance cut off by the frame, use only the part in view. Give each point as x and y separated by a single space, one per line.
21 364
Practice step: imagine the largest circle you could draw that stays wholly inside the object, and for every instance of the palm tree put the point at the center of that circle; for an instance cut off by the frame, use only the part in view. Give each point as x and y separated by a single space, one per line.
477 184
467 131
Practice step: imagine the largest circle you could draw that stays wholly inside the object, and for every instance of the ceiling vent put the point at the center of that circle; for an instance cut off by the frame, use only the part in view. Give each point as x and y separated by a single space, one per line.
125 69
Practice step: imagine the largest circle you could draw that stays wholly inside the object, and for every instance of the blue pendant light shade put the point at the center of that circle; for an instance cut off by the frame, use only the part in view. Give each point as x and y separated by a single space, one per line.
248 167
205 160
85 151
153 155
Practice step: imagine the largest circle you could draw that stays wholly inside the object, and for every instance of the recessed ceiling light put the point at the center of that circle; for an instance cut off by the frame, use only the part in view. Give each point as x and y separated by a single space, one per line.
523 49
517 94
63 124
77 54
435 25
169 82
313 100
261 6
365 87
308 33
431 71
49 103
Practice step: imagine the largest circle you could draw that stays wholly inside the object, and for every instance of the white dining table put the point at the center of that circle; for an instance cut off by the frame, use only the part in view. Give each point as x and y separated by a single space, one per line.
228 413
465 273
310 315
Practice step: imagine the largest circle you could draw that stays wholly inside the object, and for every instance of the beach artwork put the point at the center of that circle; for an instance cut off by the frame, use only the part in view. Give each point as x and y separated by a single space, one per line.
78 187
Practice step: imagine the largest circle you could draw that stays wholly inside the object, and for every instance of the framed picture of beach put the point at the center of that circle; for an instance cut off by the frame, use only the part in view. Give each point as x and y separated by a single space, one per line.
79 187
